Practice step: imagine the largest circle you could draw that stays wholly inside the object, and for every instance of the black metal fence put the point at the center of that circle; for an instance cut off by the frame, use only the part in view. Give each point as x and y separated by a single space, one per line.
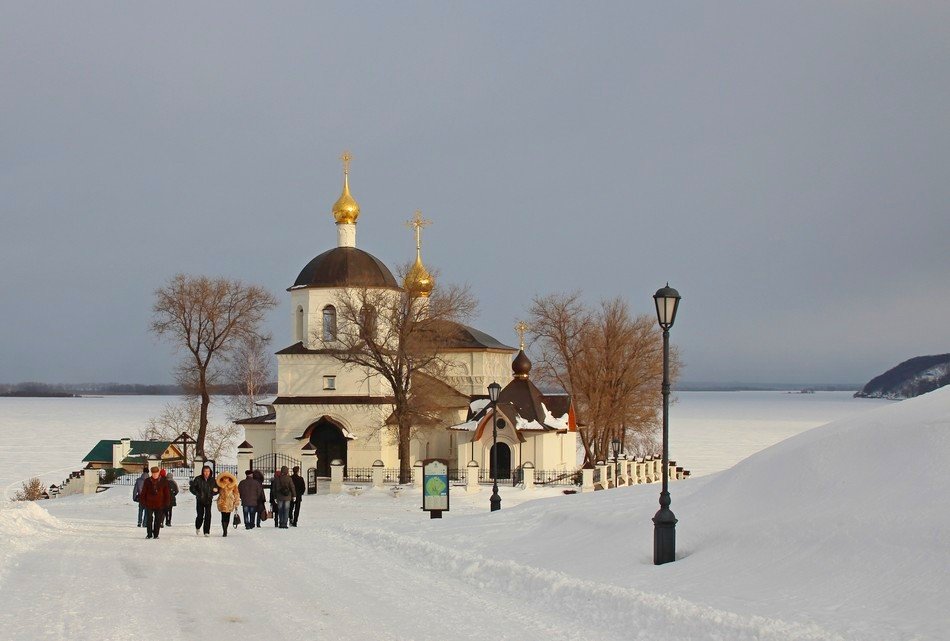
557 477
270 463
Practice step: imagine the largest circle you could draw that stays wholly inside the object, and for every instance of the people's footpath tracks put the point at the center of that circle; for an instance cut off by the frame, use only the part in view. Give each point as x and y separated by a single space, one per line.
101 579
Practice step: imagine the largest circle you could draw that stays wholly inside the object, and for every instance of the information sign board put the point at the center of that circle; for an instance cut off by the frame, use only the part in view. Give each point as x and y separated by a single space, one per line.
435 487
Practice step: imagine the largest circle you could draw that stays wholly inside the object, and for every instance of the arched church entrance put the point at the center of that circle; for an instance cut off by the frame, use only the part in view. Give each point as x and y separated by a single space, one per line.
327 437
504 461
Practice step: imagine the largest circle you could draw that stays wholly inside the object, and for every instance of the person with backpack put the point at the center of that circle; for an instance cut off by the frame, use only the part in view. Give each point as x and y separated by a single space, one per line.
300 486
154 497
173 490
204 488
136 492
284 493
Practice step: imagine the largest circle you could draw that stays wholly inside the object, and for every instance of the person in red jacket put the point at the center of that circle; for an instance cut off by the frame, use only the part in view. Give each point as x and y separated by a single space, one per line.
154 497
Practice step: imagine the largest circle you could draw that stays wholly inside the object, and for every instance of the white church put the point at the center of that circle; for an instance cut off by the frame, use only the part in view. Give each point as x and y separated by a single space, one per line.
341 411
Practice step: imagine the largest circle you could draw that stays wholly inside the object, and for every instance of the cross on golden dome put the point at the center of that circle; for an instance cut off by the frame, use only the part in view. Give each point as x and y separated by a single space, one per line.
346 158
522 328
418 222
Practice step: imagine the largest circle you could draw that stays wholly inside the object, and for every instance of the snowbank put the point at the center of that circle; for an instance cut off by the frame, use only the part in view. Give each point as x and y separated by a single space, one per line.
844 526
23 526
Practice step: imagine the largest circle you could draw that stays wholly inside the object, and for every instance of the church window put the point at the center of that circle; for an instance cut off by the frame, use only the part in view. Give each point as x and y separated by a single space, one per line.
329 382
329 323
298 324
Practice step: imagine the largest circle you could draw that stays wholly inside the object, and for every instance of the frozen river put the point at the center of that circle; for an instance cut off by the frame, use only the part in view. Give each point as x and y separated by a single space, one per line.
709 431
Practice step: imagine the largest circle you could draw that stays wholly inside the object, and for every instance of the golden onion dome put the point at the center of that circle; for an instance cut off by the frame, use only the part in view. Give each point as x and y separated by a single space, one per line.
346 210
419 281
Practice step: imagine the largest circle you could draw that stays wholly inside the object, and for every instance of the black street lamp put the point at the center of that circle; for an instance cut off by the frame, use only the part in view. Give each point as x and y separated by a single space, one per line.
496 424
667 301
616 444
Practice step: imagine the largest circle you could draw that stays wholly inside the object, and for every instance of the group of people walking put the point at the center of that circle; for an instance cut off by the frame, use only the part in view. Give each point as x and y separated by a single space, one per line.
155 492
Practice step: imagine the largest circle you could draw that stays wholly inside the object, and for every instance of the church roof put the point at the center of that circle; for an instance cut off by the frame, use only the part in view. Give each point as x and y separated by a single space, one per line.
465 337
264 419
345 267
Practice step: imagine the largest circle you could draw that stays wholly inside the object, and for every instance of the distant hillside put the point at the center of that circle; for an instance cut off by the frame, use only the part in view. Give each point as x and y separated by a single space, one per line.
911 378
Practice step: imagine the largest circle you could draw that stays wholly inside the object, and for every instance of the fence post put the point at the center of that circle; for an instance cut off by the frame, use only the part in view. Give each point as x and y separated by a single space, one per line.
245 455
378 473
471 478
417 474
336 475
602 474
587 479
527 475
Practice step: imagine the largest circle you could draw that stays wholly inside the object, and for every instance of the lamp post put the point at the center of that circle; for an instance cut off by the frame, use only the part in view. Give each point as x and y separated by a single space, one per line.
616 444
667 301
496 423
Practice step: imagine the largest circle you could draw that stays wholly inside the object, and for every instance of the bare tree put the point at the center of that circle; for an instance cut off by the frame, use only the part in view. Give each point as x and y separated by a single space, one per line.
207 318
610 362
30 490
390 334
249 373
184 416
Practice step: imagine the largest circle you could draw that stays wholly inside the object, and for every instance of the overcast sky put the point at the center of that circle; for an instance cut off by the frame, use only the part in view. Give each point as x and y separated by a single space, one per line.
785 165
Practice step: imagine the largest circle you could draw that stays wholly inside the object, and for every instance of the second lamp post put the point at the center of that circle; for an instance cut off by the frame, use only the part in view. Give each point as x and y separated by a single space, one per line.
496 424
667 301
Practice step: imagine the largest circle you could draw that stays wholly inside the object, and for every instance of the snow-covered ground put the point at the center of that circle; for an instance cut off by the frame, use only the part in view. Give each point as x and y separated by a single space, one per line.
840 532
712 431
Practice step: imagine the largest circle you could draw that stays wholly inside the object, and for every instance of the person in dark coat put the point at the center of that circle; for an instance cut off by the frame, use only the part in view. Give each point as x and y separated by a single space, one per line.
250 491
204 488
154 497
136 491
173 490
273 496
284 493
262 500
300 486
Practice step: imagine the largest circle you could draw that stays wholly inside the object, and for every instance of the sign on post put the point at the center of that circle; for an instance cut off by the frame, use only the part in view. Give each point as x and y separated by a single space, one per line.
435 487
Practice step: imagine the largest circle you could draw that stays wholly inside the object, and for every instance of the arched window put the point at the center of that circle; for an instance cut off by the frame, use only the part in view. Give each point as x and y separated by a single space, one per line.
298 324
329 323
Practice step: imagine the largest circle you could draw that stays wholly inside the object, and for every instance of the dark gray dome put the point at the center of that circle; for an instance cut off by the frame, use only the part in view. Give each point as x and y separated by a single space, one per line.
345 267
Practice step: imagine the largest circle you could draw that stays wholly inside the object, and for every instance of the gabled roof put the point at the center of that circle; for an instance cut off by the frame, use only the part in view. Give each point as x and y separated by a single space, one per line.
102 452
263 419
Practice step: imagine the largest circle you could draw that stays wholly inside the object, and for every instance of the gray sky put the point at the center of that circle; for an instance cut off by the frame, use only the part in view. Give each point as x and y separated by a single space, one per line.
786 166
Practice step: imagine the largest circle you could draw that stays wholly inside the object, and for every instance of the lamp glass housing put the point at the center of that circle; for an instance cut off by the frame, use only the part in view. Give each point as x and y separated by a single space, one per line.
667 301
493 391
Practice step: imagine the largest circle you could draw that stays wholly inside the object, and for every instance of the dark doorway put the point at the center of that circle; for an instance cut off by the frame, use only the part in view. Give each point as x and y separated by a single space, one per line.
504 461
328 438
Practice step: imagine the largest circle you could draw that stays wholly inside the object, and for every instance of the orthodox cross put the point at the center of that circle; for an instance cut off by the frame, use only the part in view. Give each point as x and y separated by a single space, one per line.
417 223
522 328
346 158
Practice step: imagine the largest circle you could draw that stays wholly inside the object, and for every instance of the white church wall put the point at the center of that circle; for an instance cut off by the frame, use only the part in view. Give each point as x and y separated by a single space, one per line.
303 375
471 372
362 421
261 438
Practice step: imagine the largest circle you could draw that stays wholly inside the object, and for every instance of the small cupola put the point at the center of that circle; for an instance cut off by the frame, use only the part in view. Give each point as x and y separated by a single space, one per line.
521 366
418 281
346 210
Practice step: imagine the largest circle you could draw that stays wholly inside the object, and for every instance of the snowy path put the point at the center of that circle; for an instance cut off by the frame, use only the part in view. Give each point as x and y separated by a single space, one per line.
352 576
279 584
